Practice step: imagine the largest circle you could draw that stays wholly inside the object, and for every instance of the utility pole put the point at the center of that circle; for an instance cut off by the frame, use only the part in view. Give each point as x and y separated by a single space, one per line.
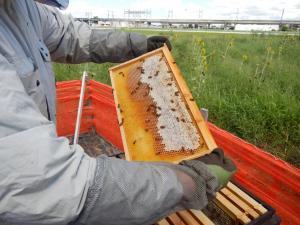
170 14
237 14
200 12
110 14
282 16
236 19
89 16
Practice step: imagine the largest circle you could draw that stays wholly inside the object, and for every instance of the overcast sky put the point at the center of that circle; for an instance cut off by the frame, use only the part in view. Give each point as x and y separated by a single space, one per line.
192 9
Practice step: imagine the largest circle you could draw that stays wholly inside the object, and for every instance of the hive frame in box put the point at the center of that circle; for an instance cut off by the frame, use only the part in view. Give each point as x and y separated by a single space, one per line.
209 143
238 204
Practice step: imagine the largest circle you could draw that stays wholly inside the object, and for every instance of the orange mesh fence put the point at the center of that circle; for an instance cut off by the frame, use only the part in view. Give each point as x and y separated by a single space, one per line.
98 111
273 180
269 178
105 115
67 104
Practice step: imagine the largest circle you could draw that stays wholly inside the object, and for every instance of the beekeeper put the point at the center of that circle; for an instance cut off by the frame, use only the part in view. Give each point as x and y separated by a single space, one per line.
42 180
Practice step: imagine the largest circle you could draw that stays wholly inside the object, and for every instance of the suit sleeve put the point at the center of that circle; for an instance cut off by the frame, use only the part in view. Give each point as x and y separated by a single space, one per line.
42 181
71 41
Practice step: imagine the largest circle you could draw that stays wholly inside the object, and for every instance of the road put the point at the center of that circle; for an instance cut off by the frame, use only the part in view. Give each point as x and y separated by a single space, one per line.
208 31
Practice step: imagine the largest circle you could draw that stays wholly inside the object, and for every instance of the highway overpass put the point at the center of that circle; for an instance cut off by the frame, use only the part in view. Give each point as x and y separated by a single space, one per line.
193 21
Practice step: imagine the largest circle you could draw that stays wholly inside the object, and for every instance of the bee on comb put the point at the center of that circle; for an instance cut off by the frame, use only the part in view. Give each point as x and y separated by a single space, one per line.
150 107
121 123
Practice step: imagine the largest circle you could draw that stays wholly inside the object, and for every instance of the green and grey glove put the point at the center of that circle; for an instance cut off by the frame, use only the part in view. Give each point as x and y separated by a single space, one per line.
217 163
220 165
156 42
201 178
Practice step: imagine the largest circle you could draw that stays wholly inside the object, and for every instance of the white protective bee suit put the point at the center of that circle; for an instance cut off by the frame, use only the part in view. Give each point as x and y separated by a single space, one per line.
42 181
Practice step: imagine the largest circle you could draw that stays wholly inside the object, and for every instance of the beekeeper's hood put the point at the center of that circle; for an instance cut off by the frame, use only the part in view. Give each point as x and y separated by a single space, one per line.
62 4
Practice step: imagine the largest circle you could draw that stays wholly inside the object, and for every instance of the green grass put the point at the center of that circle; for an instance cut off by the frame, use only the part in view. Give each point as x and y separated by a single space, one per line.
249 83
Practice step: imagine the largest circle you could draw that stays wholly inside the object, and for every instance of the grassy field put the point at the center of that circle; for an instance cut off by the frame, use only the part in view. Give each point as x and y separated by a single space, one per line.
249 83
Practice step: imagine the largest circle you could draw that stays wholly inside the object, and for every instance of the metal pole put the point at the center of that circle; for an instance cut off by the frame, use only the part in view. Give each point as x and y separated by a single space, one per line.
281 18
79 112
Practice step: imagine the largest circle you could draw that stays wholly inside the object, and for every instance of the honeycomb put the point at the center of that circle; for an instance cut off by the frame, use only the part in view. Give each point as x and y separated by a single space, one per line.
154 116
166 113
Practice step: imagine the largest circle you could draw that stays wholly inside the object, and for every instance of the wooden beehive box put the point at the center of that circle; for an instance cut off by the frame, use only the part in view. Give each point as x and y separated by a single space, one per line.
158 117
232 206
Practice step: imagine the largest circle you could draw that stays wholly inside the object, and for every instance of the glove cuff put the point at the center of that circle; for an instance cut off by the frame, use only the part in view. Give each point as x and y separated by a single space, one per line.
138 44
222 175
206 184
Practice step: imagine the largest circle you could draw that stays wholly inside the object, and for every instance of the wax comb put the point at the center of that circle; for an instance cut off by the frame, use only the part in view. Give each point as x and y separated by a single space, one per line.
157 115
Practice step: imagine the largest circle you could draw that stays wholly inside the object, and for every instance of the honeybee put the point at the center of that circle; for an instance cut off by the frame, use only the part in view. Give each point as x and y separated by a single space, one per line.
122 122
121 73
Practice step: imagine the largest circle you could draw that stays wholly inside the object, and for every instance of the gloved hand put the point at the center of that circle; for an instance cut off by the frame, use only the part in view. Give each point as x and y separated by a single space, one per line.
132 189
156 42
218 164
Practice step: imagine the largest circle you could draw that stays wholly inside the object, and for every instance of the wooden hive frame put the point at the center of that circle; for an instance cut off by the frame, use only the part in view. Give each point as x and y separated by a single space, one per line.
240 207
144 153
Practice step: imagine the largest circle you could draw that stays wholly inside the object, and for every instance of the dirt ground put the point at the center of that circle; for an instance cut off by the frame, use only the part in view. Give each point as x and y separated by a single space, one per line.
95 145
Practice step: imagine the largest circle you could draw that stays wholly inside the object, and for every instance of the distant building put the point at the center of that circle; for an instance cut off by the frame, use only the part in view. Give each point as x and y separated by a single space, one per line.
254 27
